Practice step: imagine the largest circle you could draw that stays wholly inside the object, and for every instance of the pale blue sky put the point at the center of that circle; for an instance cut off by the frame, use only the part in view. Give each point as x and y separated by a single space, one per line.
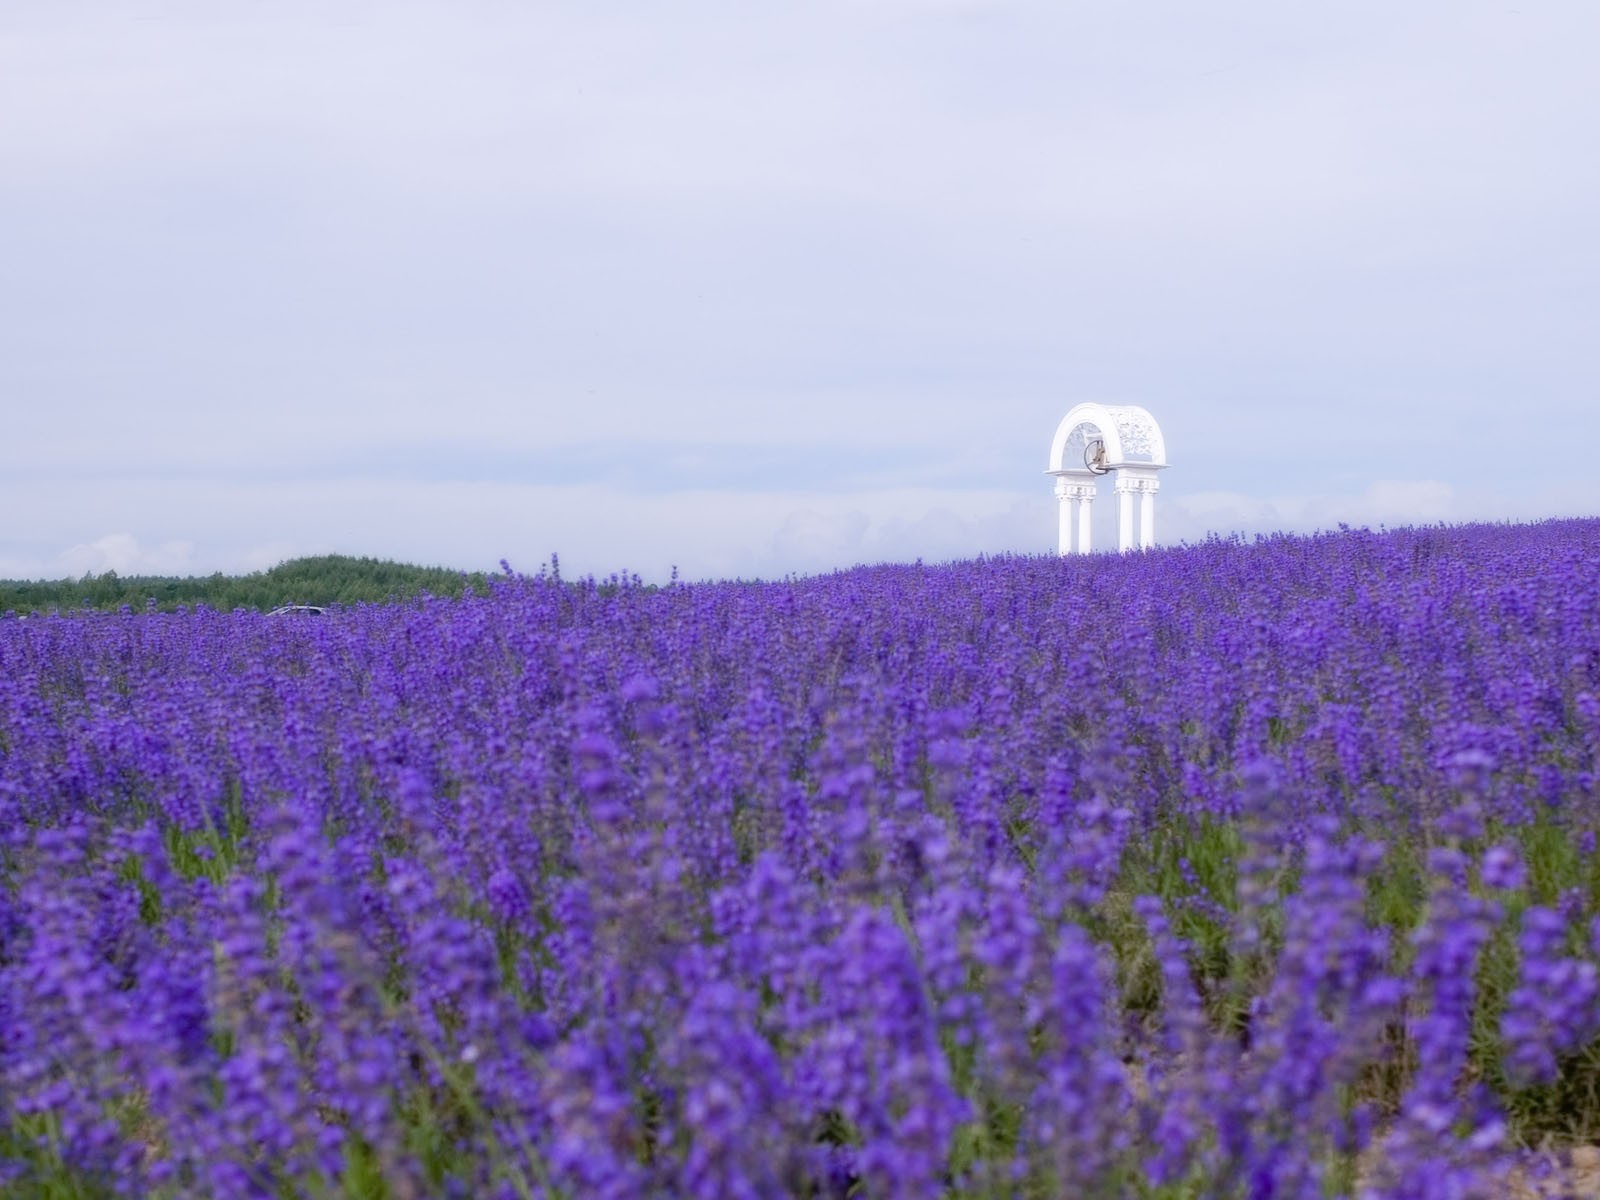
752 289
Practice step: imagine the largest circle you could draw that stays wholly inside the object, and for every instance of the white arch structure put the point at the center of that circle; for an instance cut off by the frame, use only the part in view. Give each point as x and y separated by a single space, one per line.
1092 440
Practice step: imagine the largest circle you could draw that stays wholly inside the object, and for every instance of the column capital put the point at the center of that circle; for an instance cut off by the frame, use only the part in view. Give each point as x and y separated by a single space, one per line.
1137 484
1068 488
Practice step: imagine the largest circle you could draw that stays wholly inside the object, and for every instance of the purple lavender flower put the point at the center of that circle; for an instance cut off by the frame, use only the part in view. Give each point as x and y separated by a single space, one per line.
816 887
1502 868
1555 1008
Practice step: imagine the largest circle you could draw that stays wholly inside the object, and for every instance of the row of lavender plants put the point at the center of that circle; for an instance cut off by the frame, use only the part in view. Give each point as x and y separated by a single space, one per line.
1244 869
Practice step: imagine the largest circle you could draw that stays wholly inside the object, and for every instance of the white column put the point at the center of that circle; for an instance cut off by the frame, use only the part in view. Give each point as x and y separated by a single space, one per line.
1125 489
1138 481
1075 492
1069 507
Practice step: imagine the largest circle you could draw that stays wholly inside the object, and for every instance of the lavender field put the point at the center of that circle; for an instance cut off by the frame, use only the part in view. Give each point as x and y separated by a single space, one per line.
1239 870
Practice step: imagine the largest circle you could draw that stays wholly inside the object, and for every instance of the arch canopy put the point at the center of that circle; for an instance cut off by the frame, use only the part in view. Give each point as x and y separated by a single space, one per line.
1131 436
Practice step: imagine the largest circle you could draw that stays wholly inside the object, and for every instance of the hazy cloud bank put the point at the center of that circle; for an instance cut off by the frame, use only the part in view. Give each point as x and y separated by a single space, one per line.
705 534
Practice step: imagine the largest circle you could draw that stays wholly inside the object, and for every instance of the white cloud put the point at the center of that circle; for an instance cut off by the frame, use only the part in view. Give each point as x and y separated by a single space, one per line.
594 529
598 529
1391 503
270 554
122 553
808 538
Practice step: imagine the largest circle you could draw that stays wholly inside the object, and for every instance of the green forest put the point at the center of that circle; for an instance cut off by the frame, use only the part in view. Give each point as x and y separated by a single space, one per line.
324 580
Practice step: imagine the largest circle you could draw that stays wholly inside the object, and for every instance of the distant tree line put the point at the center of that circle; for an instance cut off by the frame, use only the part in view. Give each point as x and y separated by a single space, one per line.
327 579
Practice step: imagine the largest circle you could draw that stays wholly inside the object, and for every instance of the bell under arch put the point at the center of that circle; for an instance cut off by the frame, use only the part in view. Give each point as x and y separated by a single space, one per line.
1100 439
